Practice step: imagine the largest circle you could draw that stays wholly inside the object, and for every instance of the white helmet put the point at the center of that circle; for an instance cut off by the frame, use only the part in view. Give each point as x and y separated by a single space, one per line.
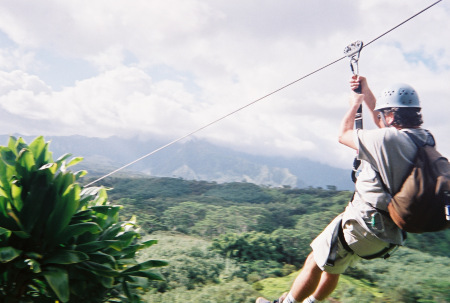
398 95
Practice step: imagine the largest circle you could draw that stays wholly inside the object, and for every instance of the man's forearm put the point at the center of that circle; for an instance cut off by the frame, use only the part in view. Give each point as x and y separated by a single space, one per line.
347 127
371 102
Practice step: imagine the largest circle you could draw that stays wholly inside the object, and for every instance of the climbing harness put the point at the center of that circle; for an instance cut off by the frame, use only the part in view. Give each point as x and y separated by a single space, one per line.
338 236
353 51
353 64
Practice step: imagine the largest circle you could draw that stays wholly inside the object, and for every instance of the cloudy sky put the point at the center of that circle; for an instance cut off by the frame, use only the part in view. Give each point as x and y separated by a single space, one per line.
164 68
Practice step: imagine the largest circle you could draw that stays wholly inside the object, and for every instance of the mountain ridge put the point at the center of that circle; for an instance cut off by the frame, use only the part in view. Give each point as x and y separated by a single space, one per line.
194 159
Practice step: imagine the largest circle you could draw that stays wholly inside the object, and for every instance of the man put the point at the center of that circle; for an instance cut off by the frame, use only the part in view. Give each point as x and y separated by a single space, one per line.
364 229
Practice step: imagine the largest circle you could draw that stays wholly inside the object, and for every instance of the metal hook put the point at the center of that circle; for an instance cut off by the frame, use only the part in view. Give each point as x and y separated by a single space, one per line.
354 65
353 51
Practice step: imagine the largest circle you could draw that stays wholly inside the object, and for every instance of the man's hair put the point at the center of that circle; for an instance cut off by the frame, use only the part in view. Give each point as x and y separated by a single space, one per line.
405 117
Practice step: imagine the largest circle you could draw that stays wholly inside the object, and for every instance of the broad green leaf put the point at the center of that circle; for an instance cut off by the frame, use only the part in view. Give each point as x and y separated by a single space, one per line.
107 282
100 269
16 192
20 145
126 262
52 167
62 213
148 243
126 290
12 215
102 258
88 194
21 234
114 244
33 265
111 232
33 255
82 216
81 173
132 249
26 159
126 238
33 205
63 181
101 197
149 275
80 228
8 156
60 161
94 246
63 157
12 143
4 231
65 257
146 265
58 280
74 161
108 214
6 173
8 253
39 150
3 193
70 199
90 191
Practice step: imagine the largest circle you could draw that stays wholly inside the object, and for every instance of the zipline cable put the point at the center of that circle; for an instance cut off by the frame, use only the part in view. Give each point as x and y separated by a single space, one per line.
255 101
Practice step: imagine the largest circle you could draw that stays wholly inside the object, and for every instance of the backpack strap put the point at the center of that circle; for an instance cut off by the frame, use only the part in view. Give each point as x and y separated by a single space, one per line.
419 143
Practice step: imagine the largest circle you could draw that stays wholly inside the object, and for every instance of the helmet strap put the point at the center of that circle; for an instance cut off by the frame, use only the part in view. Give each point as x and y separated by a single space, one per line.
384 119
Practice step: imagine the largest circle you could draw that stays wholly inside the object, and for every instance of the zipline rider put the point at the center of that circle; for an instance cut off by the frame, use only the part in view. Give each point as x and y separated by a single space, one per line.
365 229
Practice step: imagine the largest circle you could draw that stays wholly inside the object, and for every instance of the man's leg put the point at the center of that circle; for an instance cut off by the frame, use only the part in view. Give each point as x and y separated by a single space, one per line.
307 280
312 280
327 285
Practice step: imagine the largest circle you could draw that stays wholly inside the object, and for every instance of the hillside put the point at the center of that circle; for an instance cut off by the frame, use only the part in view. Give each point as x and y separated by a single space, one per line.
234 236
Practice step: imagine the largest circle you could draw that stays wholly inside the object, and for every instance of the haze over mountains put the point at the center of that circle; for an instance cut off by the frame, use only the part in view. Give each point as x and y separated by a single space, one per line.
194 160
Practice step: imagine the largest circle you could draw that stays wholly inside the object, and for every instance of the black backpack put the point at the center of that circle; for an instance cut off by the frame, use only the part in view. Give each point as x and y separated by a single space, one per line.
423 202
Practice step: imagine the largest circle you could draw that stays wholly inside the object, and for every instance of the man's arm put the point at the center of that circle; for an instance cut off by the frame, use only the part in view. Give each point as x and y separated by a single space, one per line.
346 133
369 98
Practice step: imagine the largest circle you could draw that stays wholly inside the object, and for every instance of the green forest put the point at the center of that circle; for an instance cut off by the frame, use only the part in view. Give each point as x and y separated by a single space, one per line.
234 242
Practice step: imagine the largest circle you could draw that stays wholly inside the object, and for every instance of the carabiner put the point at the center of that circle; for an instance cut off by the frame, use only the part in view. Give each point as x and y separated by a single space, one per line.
353 50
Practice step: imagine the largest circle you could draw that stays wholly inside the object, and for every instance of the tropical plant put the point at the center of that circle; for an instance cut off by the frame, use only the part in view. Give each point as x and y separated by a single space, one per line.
60 241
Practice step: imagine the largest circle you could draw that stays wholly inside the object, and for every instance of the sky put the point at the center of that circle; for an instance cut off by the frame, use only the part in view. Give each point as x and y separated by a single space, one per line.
161 69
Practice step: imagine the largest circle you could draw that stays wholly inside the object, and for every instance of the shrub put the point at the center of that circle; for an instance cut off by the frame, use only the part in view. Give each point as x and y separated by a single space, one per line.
60 241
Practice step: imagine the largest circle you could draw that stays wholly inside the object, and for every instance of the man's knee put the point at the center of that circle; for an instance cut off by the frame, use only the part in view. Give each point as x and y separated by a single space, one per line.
310 265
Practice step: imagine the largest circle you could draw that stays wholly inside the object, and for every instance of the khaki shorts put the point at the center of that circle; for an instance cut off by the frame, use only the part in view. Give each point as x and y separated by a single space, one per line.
358 239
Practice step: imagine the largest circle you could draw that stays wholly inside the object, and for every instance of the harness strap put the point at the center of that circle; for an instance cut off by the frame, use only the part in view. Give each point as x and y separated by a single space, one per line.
334 245
338 235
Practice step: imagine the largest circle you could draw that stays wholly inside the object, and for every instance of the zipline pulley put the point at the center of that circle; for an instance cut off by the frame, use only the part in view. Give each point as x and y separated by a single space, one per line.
353 51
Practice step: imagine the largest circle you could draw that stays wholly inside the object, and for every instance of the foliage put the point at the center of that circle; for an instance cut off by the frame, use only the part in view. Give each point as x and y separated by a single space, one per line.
58 241
192 265
288 221
235 290
258 253
437 243
147 188
424 278
241 192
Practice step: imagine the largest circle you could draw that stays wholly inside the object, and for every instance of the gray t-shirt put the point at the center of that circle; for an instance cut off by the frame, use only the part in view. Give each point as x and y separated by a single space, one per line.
389 153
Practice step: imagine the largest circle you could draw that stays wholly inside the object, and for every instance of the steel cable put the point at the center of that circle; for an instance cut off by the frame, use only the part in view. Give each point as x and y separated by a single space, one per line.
257 100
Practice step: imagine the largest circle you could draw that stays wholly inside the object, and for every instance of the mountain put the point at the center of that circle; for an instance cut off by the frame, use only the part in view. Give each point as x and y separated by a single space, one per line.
194 160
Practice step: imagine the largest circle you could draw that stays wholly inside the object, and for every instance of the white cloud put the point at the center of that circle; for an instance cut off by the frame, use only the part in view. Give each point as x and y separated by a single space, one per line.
167 68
